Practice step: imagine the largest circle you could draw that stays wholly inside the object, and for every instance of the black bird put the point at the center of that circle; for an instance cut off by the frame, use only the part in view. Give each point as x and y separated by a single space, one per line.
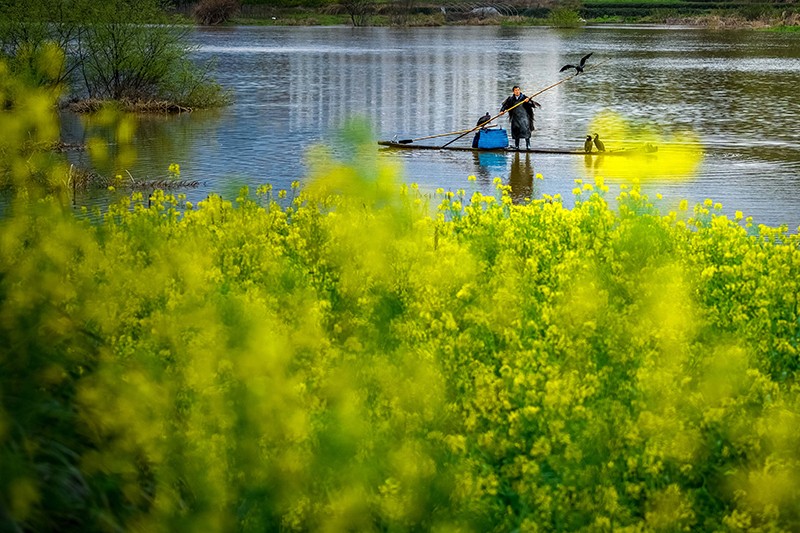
484 119
599 144
587 144
578 68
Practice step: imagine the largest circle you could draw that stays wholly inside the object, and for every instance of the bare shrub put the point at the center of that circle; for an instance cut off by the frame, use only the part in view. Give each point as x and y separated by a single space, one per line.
359 10
213 12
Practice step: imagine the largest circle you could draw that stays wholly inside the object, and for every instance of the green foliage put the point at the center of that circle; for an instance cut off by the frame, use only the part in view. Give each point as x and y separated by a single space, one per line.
564 18
129 60
757 11
192 86
116 50
655 10
345 359
29 29
28 123
786 29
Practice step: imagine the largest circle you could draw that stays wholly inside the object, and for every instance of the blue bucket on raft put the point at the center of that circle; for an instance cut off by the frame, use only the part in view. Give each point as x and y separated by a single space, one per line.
493 138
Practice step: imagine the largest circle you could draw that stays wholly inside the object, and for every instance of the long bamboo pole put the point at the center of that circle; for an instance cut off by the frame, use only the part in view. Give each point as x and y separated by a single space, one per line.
407 141
501 113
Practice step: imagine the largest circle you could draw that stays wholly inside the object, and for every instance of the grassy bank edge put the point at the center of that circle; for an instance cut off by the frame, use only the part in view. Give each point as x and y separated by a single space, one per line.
779 20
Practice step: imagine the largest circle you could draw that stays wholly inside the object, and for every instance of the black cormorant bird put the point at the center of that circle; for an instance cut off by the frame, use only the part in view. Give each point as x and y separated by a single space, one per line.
599 144
484 119
578 68
587 144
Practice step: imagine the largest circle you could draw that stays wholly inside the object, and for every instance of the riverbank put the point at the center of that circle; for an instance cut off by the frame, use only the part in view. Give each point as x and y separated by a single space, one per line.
783 17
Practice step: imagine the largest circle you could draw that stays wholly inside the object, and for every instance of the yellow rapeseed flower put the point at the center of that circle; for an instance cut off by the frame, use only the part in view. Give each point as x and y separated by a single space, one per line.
684 205
677 156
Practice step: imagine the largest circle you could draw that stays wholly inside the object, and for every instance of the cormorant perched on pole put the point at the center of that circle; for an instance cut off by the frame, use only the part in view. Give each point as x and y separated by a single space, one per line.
578 68
481 121
587 144
599 144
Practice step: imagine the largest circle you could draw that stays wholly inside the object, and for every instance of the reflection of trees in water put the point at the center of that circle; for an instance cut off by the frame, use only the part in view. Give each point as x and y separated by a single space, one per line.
521 177
158 140
165 140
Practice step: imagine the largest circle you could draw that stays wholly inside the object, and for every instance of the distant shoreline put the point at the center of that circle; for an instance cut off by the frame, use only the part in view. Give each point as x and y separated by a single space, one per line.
779 21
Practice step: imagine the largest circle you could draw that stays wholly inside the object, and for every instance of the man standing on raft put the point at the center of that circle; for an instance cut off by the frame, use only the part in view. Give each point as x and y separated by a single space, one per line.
521 116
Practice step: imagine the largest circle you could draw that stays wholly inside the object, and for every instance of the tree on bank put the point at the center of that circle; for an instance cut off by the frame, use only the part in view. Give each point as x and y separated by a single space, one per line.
359 10
116 49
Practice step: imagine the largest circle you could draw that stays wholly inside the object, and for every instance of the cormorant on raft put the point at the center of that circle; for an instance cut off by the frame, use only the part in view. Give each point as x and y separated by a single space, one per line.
587 144
578 68
599 144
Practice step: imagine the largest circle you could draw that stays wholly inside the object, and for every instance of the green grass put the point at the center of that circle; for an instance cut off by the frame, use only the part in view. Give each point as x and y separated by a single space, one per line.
296 19
523 21
784 29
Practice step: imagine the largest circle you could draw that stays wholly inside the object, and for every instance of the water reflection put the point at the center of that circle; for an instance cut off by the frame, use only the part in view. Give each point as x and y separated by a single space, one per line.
418 85
521 177
489 165
518 166
157 141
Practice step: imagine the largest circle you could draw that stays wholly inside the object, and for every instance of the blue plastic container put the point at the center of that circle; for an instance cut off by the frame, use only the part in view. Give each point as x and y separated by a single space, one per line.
493 138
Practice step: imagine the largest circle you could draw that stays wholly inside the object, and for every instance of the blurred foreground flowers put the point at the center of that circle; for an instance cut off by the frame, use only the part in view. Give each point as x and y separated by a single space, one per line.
351 362
677 158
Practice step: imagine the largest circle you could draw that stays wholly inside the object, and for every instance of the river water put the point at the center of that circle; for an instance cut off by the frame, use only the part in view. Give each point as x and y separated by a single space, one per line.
735 94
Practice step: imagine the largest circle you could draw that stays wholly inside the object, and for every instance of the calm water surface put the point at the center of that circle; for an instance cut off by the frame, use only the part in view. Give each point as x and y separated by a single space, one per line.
295 87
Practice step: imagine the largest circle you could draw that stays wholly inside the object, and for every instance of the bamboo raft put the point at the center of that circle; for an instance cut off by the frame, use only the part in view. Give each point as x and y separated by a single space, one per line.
647 149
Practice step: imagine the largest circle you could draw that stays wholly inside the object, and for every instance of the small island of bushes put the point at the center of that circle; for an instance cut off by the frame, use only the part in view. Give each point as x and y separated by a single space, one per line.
133 53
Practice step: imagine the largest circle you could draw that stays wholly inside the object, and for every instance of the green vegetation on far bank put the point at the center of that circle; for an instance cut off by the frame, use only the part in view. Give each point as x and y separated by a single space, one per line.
420 13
